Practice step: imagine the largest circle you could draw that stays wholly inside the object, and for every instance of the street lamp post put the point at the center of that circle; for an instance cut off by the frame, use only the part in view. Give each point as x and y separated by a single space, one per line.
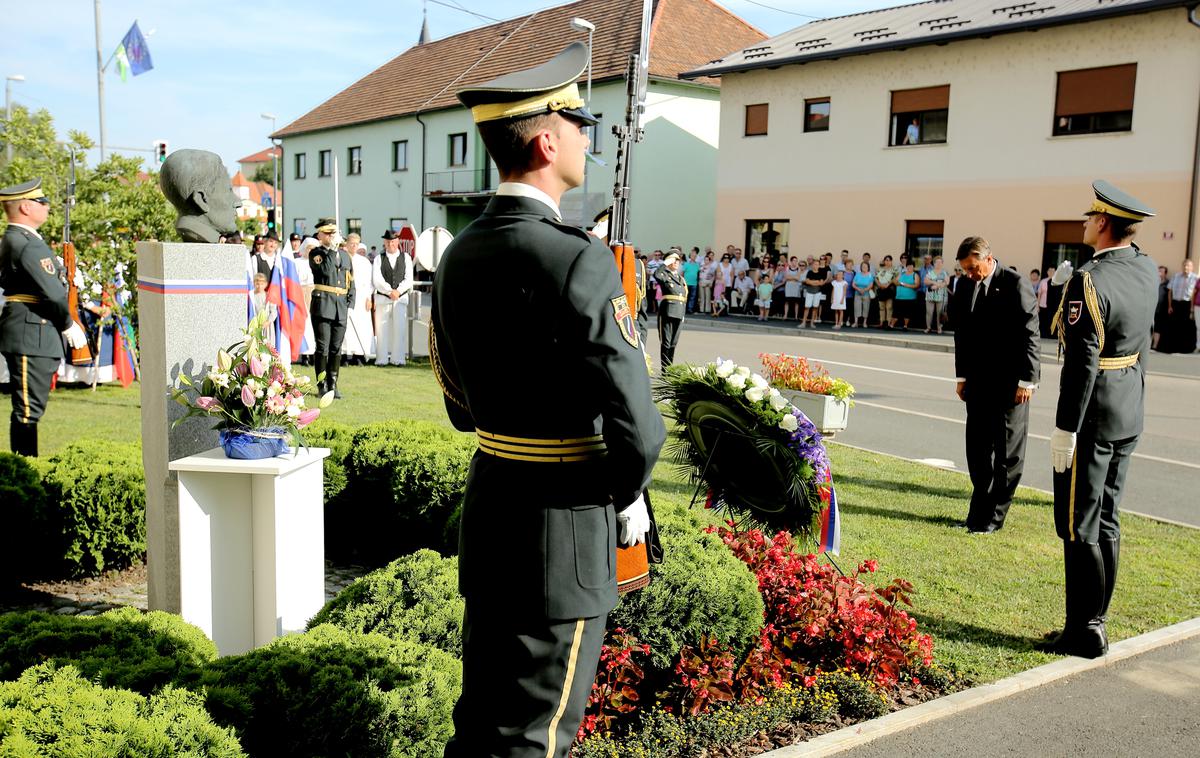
275 165
8 80
583 25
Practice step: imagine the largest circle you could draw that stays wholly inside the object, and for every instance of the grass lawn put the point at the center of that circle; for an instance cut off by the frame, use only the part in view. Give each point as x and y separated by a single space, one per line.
986 600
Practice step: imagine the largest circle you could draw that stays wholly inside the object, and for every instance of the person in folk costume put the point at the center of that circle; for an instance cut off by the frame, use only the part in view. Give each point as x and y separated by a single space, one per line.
304 271
392 279
360 333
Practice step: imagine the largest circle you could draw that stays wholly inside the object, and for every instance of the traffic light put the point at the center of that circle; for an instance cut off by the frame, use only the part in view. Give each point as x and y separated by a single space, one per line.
160 150
270 219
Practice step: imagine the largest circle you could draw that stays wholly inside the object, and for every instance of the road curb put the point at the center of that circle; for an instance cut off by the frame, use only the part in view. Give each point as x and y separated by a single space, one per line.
893 723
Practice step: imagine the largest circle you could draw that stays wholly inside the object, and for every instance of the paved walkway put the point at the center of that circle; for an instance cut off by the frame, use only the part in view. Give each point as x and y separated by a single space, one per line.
1185 365
1147 705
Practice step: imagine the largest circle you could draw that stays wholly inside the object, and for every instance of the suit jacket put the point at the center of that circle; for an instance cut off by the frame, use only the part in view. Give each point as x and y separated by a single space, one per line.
1107 312
533 338
35 310
674 290
996 345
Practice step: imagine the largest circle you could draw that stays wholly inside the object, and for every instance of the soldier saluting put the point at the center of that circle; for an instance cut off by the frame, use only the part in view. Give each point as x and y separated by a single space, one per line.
1103 323
35 311
522 300
333 293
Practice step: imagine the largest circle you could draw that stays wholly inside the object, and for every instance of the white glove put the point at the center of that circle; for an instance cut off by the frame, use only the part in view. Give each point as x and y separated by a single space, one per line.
1062 274
1062 449
75 336
634 522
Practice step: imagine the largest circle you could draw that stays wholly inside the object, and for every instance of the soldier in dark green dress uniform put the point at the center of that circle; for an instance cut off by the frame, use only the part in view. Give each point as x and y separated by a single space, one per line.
1103 324
672 308
332 298
533 343
35 318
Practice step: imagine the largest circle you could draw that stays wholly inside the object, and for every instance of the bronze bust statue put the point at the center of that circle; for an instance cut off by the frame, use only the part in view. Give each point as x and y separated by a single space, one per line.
195 182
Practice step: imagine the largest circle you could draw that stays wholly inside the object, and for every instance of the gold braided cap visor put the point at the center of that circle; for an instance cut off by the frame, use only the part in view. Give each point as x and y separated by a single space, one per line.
1099 206
32 194
566 98
331 228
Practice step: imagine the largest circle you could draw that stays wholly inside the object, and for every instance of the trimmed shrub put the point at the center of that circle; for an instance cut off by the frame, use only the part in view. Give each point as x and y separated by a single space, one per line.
336 437
121 648
61 714
414 598
24 531
701 588
405 480
332 692
97 505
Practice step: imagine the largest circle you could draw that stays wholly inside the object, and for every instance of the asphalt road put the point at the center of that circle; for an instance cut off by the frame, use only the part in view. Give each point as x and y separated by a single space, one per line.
905 405
1145 705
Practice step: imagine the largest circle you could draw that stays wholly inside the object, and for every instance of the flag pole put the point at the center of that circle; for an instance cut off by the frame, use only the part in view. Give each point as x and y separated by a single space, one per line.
337 206
100 80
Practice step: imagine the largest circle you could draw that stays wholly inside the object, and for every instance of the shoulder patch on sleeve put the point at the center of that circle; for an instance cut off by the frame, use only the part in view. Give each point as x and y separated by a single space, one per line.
48 266
624 318
1074 311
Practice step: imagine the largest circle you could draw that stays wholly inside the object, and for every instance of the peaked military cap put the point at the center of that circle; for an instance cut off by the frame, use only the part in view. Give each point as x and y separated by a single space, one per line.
390 235
30 190
548 88
326 225
1114 202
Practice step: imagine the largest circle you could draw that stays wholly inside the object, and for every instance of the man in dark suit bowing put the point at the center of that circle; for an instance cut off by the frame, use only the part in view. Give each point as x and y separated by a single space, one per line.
996 356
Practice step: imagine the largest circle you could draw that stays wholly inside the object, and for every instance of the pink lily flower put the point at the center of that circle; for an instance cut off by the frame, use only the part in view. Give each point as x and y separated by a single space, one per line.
307 417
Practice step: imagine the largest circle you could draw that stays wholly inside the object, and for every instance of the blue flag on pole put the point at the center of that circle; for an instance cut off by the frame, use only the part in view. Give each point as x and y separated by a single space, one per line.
135 51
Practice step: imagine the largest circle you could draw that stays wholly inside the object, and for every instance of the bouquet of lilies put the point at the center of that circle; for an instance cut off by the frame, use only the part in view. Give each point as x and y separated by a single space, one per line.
250 389
761 458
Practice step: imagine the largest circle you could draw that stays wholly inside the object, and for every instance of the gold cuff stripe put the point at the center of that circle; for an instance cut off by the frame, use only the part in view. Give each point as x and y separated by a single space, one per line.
572 659
327 288
1118 362
560 99
675 298
1099 206
27 299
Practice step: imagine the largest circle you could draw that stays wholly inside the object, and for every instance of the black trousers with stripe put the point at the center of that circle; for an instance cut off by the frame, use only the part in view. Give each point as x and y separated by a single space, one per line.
1087 496
29 377
668 337
525 684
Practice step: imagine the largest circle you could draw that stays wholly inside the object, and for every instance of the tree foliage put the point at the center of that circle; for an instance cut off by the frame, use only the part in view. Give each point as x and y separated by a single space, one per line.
117 203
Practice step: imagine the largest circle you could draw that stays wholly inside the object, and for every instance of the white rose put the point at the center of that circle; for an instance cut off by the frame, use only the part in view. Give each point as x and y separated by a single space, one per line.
737 381
788 423
725 368
293 411
778 402
258 394
774 392
755 394
758 381
742 371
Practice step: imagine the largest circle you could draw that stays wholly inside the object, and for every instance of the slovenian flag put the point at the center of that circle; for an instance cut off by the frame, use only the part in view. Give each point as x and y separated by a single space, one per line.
830 539
285 292
132 54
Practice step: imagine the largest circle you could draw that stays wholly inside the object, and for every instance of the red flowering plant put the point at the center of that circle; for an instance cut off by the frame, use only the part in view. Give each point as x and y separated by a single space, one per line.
794 372
705 674
818 620
618 678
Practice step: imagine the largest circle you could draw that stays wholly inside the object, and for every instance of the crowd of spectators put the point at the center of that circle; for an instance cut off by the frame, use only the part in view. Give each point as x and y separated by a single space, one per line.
901 293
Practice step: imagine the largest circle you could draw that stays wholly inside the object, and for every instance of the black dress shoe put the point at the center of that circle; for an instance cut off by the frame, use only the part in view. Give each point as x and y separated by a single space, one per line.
985 530
1089 642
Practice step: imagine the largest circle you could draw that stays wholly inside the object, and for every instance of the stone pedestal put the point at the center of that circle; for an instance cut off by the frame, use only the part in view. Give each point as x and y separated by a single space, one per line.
191 302
251 545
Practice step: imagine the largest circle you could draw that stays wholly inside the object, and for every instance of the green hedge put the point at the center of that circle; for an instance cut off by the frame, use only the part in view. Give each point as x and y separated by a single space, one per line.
336 437
405 480
97 497
23 499
414 598
700 588
60 714
122 648
331 692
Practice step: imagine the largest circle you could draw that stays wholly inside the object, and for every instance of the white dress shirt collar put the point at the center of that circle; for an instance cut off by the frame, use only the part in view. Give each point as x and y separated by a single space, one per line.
520 189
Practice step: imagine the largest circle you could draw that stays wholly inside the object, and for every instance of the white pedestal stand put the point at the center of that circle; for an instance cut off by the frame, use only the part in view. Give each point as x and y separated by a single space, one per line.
251 545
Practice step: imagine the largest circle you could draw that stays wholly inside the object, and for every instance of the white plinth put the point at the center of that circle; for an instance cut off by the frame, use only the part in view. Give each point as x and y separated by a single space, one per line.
251 545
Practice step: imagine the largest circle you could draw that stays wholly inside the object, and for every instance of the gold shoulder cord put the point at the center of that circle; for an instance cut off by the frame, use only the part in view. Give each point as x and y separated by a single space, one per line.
439 373
1093 305
1058 326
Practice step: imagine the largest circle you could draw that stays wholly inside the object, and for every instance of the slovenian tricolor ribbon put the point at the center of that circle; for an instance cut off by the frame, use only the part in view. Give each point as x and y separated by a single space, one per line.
830 538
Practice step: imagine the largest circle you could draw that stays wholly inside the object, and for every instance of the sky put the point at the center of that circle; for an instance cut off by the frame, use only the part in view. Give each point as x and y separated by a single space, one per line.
220 64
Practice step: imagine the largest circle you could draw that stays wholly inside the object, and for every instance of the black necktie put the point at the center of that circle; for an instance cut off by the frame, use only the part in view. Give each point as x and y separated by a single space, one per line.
980 293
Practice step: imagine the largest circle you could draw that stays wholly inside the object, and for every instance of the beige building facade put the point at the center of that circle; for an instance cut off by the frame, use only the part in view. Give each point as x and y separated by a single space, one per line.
1015 165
